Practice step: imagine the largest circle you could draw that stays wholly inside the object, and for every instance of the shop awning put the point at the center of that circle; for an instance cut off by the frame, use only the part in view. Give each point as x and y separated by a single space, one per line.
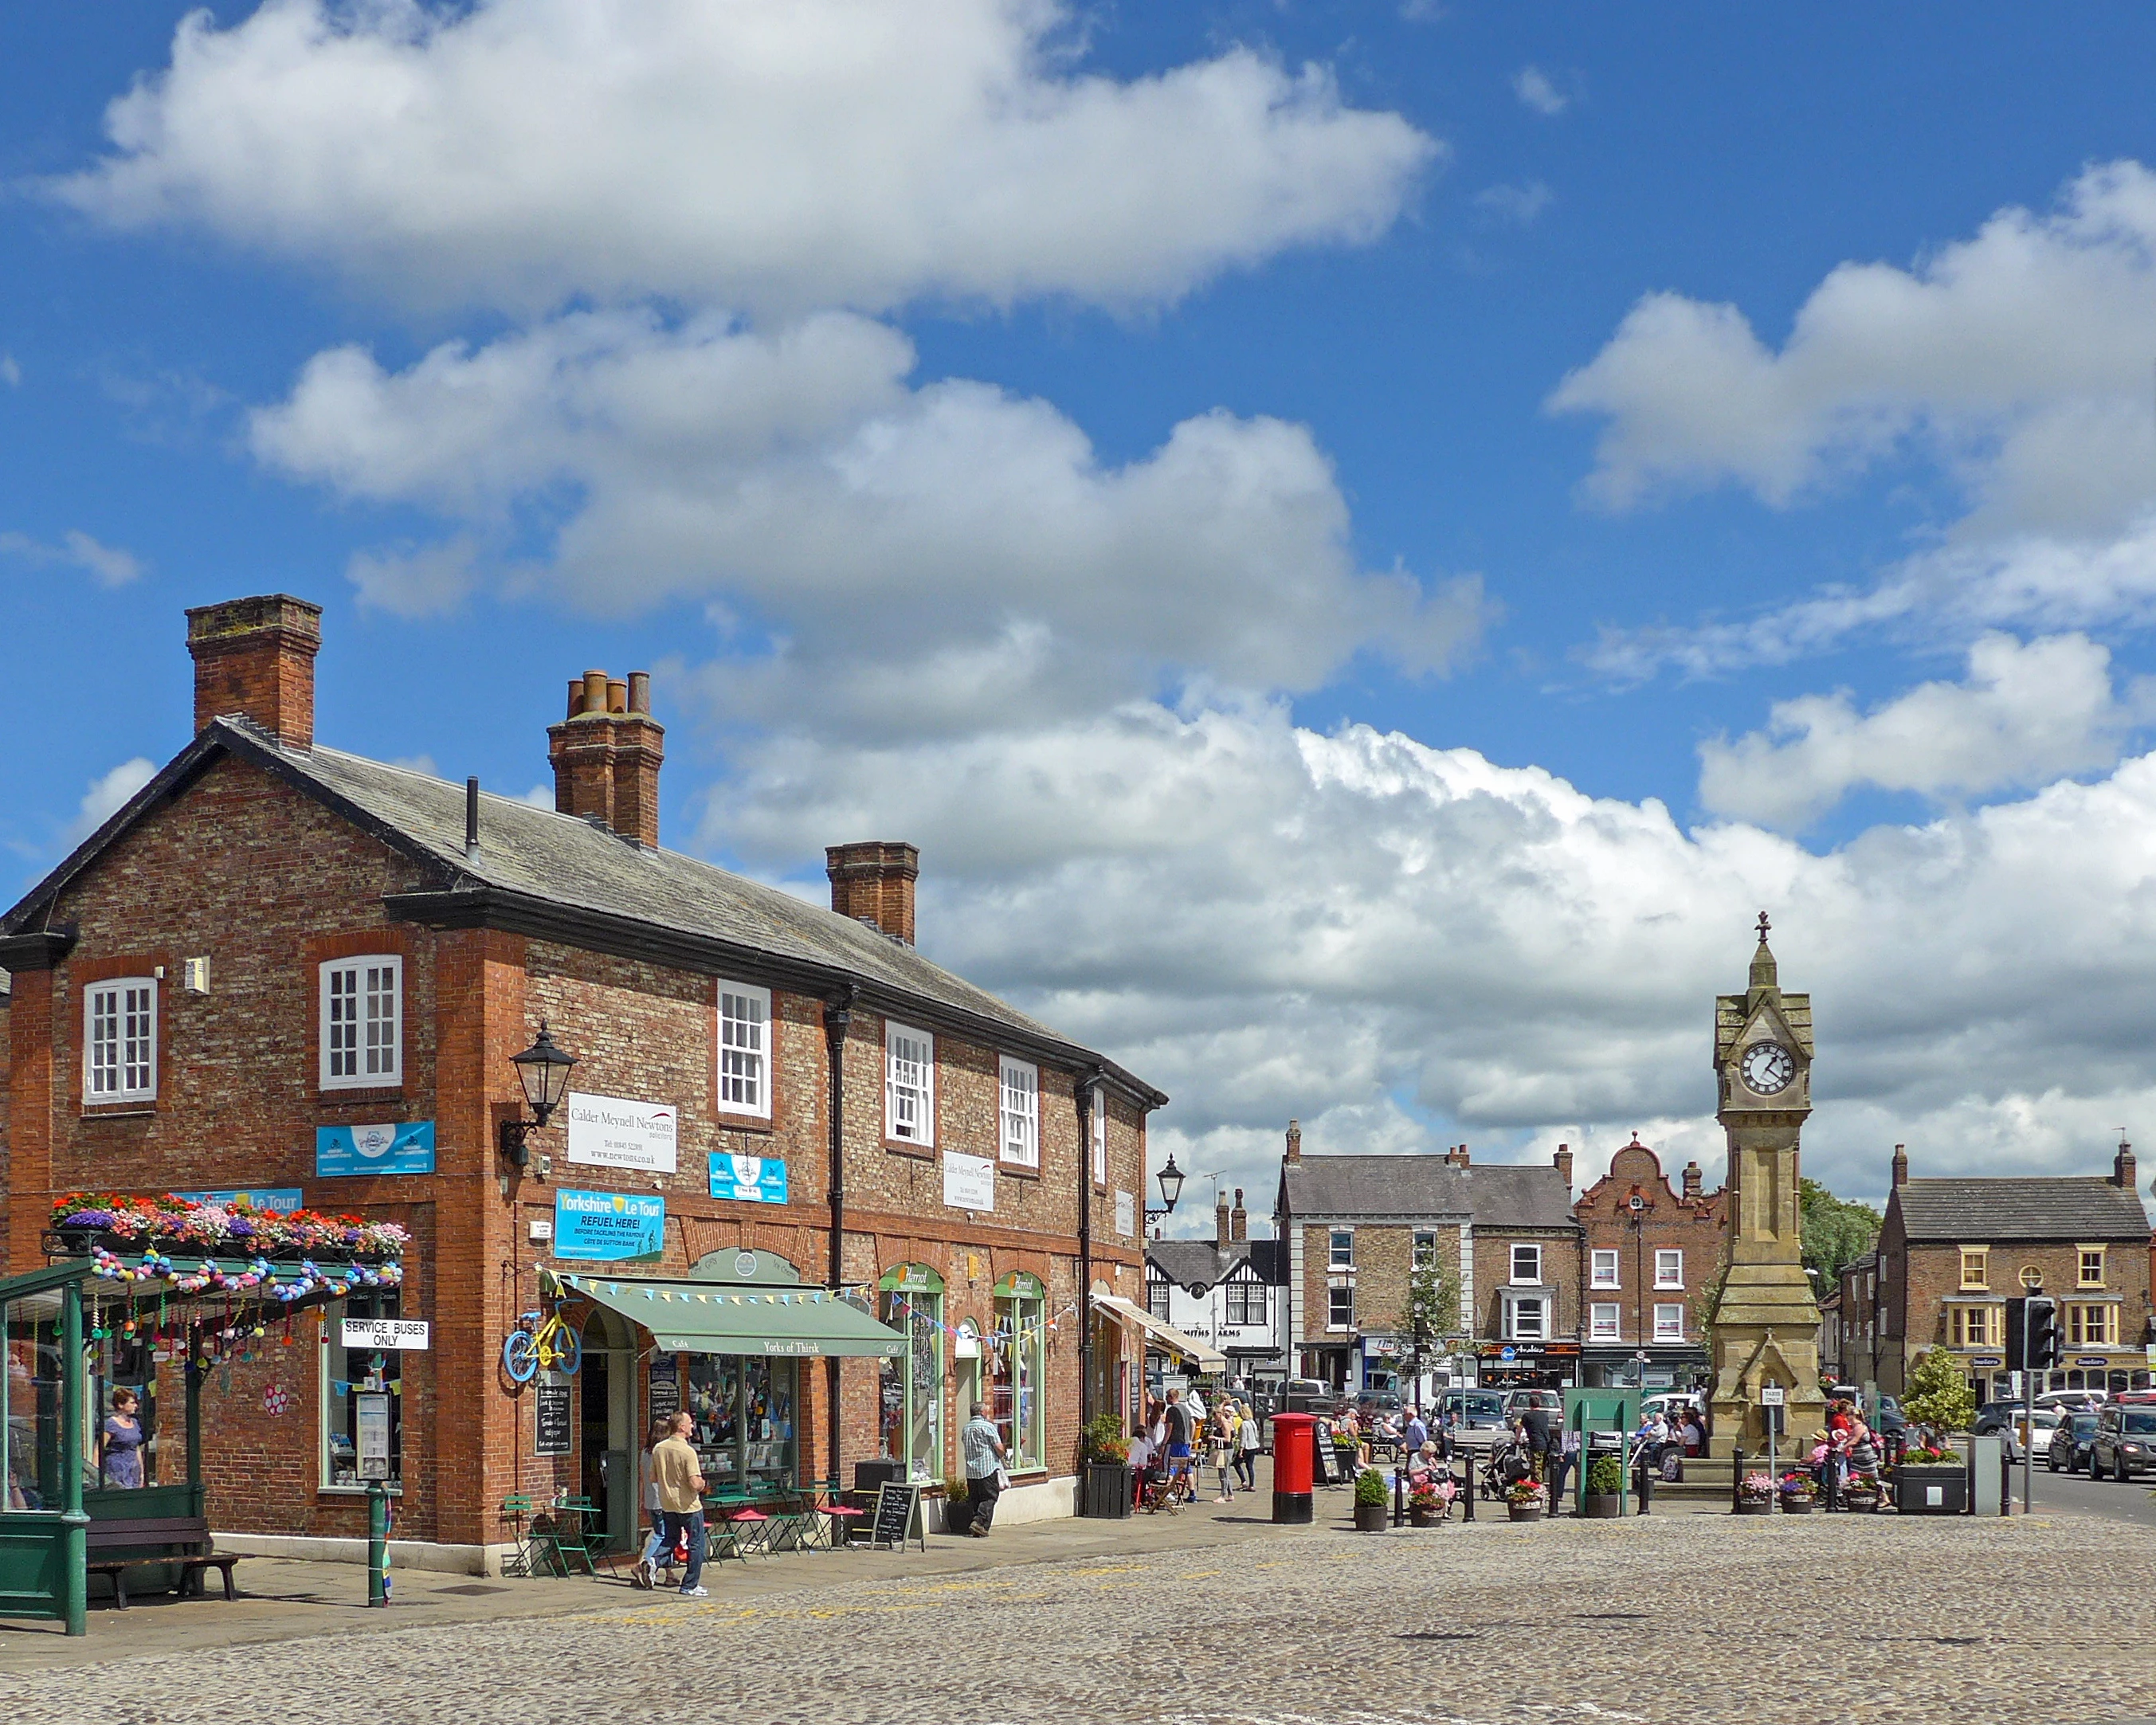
1166 1336
704 1317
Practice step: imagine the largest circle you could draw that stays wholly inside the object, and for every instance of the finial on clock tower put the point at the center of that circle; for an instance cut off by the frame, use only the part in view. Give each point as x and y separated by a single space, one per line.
1763 972
1764 924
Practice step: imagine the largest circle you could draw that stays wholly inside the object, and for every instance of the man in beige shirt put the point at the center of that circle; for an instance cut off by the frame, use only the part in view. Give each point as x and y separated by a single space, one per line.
679 1476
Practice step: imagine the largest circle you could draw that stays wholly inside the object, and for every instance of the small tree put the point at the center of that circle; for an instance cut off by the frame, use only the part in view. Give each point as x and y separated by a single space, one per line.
1939 1395
1432 1314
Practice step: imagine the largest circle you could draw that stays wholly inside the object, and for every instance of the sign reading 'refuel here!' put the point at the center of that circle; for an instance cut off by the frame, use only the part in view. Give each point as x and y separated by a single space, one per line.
609 1227
613 1132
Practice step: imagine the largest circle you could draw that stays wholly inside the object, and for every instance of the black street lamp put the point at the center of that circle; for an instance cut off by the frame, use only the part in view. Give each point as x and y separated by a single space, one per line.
1171 1188
543 1071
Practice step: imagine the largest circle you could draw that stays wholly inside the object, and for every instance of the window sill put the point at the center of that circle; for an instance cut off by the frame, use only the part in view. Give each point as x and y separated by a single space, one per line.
1018 1170
742 1123
393 1489
339 1095
919 1152
119 1111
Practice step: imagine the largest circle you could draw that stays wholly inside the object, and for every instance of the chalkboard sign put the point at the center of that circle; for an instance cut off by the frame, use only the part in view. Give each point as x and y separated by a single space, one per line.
551 1413
897 1517
1323 1465
665 1388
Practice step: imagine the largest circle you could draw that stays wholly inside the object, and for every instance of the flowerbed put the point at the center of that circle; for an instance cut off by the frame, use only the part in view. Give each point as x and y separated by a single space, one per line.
138 1224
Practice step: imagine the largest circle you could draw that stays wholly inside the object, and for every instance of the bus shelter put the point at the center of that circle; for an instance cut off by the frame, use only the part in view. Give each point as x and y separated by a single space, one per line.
62 1326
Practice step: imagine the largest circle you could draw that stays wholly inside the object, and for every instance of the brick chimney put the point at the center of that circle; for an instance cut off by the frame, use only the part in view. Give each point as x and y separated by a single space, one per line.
2122 1173
1295 1141
1221 1219
606 753
1694 1186
1239 1219
1901 1165
1456 1156
1562 1159
256 657
872 882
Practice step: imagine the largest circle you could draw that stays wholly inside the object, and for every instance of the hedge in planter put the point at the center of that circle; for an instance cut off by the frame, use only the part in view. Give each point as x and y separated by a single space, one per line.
1605 1486
1371 1511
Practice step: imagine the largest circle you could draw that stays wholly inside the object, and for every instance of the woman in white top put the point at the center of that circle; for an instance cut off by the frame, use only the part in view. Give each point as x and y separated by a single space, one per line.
643 1574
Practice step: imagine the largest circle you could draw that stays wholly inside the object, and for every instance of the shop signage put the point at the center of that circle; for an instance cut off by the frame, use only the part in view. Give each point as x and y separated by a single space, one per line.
613 1132
381 1335
284 1199
551 1415
1127 1214
665 1393
1022 1285
1989 1360
807 1349
390 1149
897 1517
2092 1359
748 1179
370 1427
969 1182
609 1227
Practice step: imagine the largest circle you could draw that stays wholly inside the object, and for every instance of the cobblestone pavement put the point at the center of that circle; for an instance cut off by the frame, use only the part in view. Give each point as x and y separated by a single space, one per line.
1702 1618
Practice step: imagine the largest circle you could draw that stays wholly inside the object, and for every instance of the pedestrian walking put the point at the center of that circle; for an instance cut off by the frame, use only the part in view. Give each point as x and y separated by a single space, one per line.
1248 1440
1222 1427
982 1447
1562 1461
1535 1429
1181 1428
1416 1432
679 1475
644 1571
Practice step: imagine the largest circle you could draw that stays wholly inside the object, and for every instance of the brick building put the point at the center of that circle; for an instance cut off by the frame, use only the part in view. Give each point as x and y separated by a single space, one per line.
1356 1227
283 967
1653 1254
1225 1292
1952 1252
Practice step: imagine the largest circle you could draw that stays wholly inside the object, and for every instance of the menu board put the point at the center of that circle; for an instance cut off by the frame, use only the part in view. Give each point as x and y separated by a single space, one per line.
665 1392
551 1413
897 1515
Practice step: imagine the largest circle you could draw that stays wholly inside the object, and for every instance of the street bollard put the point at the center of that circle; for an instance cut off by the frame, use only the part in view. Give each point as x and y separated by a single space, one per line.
2006 1483
1399 1510
1736 1479
1468 1457
1646 1485
378 1543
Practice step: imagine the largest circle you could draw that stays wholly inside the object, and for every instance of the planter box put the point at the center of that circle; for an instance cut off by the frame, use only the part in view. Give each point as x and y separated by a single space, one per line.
1935 1489
1524 1511
1761 1507
1425 1517
957 1514
1603 1505
1797 1505
1107 1491
1372 1518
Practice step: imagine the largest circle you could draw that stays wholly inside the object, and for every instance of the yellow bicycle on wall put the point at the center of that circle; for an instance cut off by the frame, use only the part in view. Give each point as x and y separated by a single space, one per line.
541 1342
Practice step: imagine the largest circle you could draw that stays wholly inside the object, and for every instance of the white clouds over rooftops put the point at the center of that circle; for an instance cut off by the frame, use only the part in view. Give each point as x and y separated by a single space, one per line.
772 158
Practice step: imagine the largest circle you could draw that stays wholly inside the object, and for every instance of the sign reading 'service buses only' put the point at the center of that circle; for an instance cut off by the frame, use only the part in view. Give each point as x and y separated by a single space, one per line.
613 1132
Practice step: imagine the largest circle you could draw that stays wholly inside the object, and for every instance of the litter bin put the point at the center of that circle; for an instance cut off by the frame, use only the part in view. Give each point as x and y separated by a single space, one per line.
1294 1439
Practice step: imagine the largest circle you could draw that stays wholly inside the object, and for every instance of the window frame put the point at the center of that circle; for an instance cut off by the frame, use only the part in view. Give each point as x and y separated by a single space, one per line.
1028 1075
1515 1331
1335 1294
1156 1297
1596 1279
1022 1322
1978 1258
1422 1253
894 1032
766 1066
1245 1293
2099 1316
1516 1279
1339 1249
1605 1321
2082 1254
1960 1331
378 1302
921 1400
1669 1321
1097 1128
1675 1280
118 986
358 963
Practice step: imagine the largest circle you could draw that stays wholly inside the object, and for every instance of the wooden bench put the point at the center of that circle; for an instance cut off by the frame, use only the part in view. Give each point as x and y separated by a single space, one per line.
183 1540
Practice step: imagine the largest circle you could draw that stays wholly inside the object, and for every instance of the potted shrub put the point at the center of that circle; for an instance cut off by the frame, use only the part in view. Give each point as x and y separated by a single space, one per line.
1425 1508
1755 1495
1107 1455
1605 1486
1524 1500
1798 1494
1931 1479
1371 1511
957 1504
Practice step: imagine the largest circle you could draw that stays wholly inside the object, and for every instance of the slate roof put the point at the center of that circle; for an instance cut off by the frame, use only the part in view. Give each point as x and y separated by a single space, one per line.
531 857
1195 1263
1495 1194
2020 1208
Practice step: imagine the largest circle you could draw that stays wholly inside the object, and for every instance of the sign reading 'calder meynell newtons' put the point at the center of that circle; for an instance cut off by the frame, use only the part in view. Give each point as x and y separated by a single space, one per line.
614 1131
969 1182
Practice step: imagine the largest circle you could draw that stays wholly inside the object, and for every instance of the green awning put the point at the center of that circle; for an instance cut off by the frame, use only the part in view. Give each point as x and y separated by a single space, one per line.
708 1317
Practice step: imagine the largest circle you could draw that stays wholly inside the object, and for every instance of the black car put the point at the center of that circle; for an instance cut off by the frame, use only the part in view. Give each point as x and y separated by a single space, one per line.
2124 1443
2070 1443
2004 1418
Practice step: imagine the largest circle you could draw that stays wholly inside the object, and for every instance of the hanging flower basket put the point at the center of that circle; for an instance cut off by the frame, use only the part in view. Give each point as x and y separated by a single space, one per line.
83 1222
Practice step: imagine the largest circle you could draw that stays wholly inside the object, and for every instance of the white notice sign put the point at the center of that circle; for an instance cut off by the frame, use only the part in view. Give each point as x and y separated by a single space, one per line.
1770 1395
371 1426
969 1182
1127 1214
382 1334
613 1131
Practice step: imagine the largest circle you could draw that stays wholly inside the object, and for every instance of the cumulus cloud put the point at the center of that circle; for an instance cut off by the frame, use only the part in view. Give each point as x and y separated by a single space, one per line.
11 372
773 156
1532 86
923 557
1517 204
415 581
106 796
2026 714
107 565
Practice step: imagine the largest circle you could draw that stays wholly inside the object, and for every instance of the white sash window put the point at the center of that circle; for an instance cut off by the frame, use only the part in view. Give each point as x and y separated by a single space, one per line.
909 1106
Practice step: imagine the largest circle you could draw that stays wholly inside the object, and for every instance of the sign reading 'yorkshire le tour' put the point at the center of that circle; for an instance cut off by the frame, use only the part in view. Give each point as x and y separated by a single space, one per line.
613 1132
609 1227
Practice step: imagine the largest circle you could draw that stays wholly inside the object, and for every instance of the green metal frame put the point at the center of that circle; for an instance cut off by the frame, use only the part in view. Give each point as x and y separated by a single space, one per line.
1588 1411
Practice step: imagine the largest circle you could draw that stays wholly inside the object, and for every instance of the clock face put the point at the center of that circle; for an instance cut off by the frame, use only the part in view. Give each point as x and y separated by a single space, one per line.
1768 1068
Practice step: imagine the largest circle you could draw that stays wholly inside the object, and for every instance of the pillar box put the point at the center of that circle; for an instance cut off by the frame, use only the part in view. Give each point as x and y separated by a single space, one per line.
1295 1437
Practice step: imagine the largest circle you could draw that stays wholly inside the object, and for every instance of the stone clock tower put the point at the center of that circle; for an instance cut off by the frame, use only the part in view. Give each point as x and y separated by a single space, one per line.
1766 1322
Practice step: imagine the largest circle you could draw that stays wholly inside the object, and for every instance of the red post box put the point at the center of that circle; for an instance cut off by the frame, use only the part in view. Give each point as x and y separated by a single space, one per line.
1295 1437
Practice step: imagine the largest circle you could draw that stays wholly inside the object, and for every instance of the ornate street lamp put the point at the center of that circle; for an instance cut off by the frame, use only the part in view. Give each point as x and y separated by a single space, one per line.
543 1071
1171 1188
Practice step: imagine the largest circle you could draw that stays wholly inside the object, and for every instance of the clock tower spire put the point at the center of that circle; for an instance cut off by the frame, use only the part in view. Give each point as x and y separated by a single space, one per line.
1766 1321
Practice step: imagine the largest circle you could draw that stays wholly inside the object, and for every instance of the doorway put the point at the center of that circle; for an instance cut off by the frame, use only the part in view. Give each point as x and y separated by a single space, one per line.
605 1413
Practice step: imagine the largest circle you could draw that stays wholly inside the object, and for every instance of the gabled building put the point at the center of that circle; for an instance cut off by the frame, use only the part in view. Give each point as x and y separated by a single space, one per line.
1226 1291
1653 1255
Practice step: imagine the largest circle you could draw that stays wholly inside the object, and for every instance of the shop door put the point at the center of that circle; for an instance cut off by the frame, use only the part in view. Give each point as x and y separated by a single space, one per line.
608 1380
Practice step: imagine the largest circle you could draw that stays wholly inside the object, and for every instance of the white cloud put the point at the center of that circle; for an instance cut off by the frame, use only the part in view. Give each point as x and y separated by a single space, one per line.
108 565
928 558
2026 715
416 580
11 373
776 156
1532 86
1517 204
107 796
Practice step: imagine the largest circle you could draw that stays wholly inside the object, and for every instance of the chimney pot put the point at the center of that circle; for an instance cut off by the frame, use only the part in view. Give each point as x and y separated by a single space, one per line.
1295 1141
617 695
1221 1227
255 657
1239 1219
1694 1182
2122 1171
872 881
1901 1165
595 692
639 692
607 754
1563 1162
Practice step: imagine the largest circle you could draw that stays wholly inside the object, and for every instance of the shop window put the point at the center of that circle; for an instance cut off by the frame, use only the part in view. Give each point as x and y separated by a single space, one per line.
1975 1267
1526 1266
30 1402
909 1110
363 1021
1343 1248
120 1040
1603 1323
1974 1326
912 1400
1019 1370
357 1383
2091 1266
744 1050
1669 1324
1669 1269
1246 1302
742 1407
1019 1086
1425 1250
1602 1268
2095 1326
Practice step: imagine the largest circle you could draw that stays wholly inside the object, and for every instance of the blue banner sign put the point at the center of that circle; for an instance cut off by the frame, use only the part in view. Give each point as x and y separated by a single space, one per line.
610 1227
284 1199
749 1179
405 1149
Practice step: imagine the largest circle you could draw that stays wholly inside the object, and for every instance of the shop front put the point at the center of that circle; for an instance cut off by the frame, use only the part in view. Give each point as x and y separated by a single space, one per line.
1527 1365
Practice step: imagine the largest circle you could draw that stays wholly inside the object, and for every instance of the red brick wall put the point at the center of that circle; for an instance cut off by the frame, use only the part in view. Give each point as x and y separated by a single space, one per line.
1696 1227
1493 1270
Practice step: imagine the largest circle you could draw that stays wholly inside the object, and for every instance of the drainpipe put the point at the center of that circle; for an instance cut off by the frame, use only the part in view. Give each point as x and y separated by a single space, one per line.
838 1014
1086 1097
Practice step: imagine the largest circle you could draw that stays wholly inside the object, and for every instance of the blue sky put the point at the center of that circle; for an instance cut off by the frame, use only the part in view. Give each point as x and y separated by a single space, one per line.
1201 554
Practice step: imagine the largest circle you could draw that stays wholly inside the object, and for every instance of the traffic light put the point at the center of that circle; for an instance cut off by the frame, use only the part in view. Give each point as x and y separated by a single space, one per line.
2040 1333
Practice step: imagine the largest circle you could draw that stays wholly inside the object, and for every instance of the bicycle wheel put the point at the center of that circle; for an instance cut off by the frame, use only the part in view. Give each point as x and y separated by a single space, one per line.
519 1357
568 1352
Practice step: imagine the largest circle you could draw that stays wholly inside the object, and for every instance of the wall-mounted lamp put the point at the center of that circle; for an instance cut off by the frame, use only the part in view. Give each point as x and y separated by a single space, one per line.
543 1071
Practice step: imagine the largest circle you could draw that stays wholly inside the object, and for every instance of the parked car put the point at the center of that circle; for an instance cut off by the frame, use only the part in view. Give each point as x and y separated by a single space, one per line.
2004 1418
1888 1418
2043 1425
1478 1417
2125 1441
2076 1400
2068 1450
1520 1401
1668 1401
